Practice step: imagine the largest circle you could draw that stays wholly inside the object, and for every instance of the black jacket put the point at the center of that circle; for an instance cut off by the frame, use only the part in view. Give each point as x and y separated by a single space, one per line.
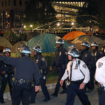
25 68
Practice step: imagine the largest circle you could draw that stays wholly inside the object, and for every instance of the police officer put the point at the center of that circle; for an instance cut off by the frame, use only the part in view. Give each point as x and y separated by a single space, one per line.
60 61
100 78
103 50
86 56
25 68
42 65
78 74
96 54
6 72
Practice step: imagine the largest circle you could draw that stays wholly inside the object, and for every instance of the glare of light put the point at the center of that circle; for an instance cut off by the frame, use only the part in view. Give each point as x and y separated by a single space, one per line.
24 26
30 25
58 24
72 23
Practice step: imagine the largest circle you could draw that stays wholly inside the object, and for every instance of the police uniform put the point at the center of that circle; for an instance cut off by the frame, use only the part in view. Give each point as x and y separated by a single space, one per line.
78 73
42 65
96 54
103 50
60 61
100 78
25 68
7 77
86 56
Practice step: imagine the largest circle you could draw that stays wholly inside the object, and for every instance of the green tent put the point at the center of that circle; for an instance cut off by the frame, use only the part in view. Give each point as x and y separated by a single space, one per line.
10 35
46 41
5 43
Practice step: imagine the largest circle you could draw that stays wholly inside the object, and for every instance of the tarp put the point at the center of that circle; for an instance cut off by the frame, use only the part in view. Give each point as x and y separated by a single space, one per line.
5 43
16 46
90 38
72 35
46 41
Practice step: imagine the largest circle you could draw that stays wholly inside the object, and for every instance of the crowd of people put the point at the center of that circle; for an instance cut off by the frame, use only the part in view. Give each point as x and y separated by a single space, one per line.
78 67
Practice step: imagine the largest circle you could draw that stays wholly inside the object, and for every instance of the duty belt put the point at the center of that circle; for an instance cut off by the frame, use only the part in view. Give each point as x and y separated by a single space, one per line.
77 82
21 81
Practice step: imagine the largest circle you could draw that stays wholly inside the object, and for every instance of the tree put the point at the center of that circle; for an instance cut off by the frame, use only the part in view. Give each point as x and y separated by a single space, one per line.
101 17
38 13
89 13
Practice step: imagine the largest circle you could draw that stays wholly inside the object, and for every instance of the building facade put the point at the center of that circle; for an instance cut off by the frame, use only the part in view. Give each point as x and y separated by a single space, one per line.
12 11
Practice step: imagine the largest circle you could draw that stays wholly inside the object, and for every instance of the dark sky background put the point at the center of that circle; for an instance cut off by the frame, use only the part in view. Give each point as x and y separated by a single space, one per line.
73 0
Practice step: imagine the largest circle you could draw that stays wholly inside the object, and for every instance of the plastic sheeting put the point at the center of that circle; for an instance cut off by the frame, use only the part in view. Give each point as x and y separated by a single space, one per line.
46 41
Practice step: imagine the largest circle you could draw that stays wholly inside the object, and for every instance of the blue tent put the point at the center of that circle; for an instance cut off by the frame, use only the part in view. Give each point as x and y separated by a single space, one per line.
46 41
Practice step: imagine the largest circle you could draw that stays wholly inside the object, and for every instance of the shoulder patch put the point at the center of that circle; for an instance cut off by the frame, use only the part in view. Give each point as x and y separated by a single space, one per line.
100 64
66 53
43 59
84 66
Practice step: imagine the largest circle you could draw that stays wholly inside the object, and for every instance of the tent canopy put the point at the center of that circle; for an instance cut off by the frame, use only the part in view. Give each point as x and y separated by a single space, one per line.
10 35
16 46
72 35
89 38
46 41
5 43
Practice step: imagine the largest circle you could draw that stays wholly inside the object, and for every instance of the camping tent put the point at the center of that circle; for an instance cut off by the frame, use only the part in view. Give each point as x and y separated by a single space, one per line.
10 35
4 43
90 38
72 35
16 46
46 41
